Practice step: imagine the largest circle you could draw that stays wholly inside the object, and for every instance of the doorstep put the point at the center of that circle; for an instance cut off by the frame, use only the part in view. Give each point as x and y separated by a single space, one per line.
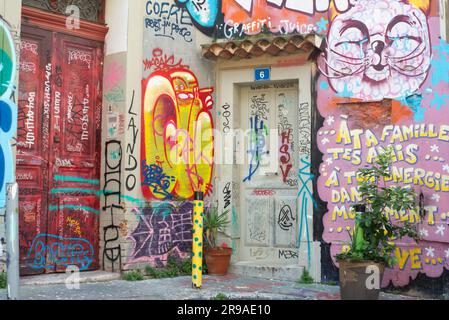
264 270
60 278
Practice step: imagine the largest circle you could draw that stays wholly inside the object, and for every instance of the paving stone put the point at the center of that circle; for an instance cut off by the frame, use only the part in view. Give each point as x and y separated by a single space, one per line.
232 285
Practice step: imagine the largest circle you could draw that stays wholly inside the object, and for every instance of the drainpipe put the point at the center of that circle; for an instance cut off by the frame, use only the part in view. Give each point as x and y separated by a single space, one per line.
12 240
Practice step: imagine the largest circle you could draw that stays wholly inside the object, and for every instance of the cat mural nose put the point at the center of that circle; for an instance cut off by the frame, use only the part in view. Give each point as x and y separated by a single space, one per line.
378 47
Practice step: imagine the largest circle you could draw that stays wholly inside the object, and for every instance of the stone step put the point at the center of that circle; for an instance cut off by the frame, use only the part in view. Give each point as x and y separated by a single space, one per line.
61 278
267 270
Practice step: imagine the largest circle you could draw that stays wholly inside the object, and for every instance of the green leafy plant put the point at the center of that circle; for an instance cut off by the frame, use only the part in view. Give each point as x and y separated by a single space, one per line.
220 296
214 223
330 283
155 273
3 280
186 267
173 269
134 275
306 278
374 231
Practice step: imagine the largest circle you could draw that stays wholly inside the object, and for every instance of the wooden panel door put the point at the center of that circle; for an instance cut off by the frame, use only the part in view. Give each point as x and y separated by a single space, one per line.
269 176
33 143
74 161
68 143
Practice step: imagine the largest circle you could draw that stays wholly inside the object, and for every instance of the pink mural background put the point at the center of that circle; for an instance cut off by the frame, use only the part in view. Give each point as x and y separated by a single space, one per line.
356 127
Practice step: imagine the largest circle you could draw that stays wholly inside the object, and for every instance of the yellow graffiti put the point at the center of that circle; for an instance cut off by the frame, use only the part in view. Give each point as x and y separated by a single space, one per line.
178 135
404 254
74 224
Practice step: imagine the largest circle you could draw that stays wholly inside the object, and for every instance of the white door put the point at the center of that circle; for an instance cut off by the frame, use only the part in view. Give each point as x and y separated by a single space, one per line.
269 174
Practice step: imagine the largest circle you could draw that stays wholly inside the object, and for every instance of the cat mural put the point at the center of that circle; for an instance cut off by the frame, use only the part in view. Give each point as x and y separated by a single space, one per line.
378 49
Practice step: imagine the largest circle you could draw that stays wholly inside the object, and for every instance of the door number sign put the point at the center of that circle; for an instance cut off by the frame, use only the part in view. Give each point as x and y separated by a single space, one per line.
262 74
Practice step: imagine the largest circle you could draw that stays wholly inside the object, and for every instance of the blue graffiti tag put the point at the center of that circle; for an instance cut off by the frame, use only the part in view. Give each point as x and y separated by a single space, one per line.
306 195
155 178
51 251
256 145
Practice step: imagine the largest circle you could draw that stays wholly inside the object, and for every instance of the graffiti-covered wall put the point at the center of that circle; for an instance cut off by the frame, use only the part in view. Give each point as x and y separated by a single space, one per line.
382 80
168 151
114 111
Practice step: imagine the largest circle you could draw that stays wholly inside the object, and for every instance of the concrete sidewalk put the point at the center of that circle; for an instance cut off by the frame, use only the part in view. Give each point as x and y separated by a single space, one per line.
231 285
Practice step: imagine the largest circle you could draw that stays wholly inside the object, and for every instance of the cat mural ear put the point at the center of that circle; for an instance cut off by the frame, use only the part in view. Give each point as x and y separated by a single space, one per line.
334 10
337 7
424 5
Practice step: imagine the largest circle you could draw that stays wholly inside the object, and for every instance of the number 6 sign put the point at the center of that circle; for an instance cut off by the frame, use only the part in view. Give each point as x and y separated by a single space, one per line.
262 74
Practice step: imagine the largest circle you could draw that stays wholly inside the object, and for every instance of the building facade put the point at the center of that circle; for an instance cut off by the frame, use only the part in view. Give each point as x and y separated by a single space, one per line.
268 107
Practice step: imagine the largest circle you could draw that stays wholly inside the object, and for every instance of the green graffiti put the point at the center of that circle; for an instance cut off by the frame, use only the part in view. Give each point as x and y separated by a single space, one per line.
76 179
74 207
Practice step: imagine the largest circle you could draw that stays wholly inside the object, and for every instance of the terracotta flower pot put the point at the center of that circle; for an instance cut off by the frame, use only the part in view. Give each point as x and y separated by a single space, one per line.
354 282
217 260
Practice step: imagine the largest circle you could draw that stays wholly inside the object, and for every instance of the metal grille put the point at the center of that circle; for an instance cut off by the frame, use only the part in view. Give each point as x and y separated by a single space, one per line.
89 9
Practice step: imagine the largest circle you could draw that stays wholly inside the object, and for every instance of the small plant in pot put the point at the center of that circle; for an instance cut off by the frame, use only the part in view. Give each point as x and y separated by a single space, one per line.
217 257
371 246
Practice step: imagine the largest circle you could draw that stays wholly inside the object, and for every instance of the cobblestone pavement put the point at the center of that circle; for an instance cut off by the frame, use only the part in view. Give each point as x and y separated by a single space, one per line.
232 286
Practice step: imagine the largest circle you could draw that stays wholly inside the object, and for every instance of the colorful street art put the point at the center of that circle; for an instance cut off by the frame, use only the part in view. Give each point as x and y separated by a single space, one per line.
50 251
8 108
378 49
163 229
204 13
177 139
382 83
382 78
236 18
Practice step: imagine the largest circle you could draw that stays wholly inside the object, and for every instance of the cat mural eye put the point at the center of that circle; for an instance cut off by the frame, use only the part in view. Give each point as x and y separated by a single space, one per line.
402 34
353 32
356 42
407 54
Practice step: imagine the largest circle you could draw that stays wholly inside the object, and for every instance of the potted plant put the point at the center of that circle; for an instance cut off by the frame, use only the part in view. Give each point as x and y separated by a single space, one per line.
371 244
217 257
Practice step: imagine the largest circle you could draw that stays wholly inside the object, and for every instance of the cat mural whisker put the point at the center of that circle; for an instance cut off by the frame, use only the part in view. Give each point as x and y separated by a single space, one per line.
346 57
407 57
414 67
343 74
332 76
404 72
394 63
352 63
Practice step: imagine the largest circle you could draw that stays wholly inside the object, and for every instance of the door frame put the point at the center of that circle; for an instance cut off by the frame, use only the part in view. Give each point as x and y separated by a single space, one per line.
56 22
231 76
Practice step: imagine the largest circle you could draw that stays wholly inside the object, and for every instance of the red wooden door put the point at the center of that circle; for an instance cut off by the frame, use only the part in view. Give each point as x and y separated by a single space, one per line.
70 147
33 141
